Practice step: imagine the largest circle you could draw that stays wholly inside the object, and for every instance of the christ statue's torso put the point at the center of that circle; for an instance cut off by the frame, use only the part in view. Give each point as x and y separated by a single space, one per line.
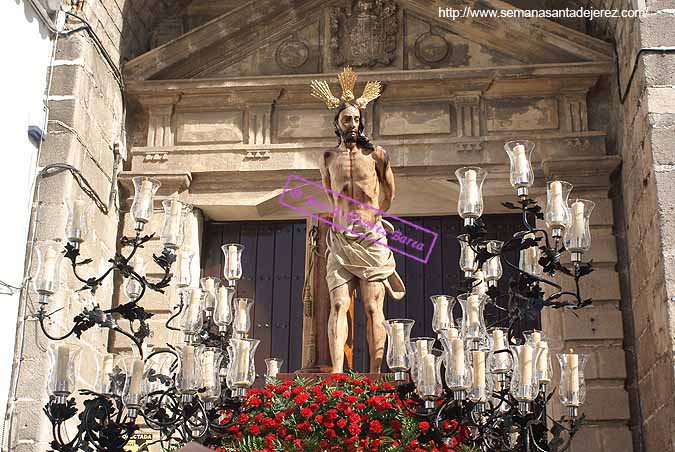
353 173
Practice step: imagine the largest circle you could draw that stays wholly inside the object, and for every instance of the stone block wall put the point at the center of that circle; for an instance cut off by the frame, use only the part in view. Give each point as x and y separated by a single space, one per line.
85 130
644 192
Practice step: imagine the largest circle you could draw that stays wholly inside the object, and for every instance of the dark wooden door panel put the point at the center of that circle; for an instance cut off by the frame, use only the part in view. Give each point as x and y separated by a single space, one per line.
273 274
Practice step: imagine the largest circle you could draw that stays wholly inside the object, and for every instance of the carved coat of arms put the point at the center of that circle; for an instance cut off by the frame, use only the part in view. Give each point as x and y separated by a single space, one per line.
366 34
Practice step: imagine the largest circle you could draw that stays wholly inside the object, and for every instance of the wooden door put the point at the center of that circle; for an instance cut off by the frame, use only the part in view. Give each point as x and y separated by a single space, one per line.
273 274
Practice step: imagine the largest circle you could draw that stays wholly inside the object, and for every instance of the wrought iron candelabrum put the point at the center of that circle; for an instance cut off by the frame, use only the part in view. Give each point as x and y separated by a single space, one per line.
176 389
493 380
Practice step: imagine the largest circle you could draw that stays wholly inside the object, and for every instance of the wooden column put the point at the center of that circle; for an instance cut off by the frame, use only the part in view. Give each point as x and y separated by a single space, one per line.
316 354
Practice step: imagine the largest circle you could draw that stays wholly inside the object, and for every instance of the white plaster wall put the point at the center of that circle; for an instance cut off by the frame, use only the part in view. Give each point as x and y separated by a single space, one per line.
26 51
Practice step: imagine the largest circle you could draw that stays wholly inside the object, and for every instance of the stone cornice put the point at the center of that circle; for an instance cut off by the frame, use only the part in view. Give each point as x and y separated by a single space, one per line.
444 83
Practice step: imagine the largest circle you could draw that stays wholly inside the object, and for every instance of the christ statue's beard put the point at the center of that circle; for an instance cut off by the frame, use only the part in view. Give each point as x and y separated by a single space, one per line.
349 137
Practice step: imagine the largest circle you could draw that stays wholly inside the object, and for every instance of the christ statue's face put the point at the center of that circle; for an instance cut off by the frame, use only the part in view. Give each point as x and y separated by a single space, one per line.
349 121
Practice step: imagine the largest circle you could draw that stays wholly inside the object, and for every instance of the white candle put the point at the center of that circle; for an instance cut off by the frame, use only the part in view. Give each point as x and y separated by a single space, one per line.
479 288
536 337
573 372
232 260
136 378
472 194
194 307
428 376
473 304
501 359
422 351
542 362
398 345
188 364
453 332
522 166
146 190
478 369
457 347
208 368
173 222
530 256
272 368
222 312
209 284
242 364
557 205
579 224
62 359
442 313
525 362
108 361
49 267
241 317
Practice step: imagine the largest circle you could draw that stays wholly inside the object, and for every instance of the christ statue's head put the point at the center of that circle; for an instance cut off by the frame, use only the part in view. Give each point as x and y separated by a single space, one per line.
349 126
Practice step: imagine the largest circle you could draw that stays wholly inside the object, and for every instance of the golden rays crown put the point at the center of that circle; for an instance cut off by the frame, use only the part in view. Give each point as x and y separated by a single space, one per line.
347 79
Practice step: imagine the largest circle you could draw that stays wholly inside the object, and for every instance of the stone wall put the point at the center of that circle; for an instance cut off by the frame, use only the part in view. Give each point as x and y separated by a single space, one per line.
645 132
85 130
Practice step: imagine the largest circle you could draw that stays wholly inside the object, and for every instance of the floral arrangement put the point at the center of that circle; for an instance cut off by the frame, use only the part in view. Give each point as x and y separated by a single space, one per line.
343 413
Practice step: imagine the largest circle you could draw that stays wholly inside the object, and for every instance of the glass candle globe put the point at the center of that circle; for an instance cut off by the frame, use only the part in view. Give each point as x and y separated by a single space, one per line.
232 264
64 363
241 371
191 320
399 350
49 256
500 360
520 157
524 386
577 237
473 320
182 276
77 225
132 287
429 385
173 221
420 346
457 366
209 289
212 358
160 368
470 201
557 213
222 314
111 374
572 389
142 205
492 267
273 365
242 315
529 258
467 257
133 386
190 370
443 318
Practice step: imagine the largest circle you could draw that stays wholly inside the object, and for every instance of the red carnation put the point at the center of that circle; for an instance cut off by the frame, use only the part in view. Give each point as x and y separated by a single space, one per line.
424 426
306 412
341 422
375 426
254 429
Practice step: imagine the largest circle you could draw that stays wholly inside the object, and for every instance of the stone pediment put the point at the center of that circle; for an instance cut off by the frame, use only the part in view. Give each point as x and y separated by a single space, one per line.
277 37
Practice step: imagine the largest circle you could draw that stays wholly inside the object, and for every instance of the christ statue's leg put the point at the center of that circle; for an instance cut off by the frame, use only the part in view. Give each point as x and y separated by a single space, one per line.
372 294
338 327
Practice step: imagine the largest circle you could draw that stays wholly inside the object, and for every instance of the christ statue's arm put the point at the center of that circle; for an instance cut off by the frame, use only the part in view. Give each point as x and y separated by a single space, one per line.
325 176
386 178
